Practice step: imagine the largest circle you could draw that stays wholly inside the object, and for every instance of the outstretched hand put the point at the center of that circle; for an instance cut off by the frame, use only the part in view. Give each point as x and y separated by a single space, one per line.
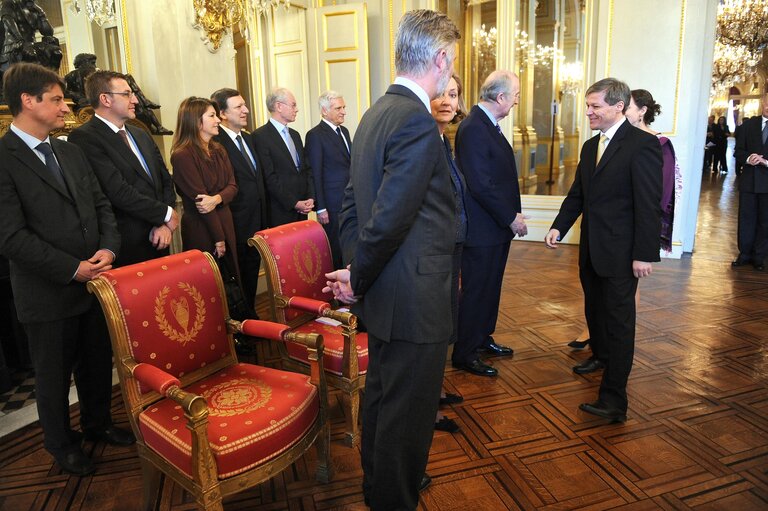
338 284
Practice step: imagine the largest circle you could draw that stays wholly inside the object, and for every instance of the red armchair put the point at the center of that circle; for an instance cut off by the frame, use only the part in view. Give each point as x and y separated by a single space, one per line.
215 426
297 256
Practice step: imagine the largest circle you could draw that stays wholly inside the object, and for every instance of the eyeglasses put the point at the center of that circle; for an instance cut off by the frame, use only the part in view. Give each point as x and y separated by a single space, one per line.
127 94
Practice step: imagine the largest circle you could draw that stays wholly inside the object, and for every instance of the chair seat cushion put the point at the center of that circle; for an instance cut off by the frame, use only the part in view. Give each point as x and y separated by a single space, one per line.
255 413
333 341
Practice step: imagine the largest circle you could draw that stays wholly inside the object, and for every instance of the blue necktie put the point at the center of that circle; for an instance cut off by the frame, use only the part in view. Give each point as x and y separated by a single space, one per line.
498 128
291 147
344 142
51 163
245 154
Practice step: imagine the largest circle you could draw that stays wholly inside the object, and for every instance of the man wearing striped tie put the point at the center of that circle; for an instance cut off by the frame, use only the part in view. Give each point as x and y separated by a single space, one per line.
129 167
616 191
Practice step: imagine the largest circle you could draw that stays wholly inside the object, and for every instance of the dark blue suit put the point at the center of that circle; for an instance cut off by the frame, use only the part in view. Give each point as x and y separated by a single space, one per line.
487 161
329 159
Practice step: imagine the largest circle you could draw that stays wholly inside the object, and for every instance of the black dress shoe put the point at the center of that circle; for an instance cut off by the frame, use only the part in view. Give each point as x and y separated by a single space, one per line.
739 262
75 462
606 412
759 266
448 425
111 435
496 350
425 482
578 345
590 365
477 367
451 399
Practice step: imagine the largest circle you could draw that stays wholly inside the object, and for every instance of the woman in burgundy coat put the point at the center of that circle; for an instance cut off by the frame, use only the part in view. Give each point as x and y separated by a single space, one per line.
205 181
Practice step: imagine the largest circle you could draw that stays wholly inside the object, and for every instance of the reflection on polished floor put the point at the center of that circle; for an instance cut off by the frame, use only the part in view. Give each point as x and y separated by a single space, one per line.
696 438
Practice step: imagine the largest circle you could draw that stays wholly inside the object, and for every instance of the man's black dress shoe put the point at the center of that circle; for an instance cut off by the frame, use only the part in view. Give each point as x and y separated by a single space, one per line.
759 266
451 399
75 462
496 350
477 367
578 345
111 435
606 412
447 425
425 482
739 262
590 365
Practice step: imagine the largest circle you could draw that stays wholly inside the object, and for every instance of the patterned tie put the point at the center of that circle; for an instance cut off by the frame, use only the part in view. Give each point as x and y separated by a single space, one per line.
245 154
291 146
51 163
338 132
601 148
124 135
765 132
498 128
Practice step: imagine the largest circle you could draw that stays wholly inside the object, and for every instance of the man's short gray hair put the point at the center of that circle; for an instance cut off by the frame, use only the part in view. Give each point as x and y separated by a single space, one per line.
498 82
277 95
326 98
420 36
615 91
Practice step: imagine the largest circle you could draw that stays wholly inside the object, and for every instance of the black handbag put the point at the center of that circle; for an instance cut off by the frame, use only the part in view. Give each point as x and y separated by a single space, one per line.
238 306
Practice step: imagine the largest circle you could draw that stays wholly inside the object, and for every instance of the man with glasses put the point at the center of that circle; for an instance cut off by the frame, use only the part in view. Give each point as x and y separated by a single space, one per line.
287 172
129 167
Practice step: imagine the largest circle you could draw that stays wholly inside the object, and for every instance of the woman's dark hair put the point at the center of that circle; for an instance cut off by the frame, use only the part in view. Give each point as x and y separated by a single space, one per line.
188 125
642 98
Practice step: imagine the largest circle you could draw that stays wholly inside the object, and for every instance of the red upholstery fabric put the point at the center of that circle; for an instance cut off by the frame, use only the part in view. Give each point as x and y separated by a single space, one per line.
334 347
177 327
266 329
255 413
302 257
308 304
154 378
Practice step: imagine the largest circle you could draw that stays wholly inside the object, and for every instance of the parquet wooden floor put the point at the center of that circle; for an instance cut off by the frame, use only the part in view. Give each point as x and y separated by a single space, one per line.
696 438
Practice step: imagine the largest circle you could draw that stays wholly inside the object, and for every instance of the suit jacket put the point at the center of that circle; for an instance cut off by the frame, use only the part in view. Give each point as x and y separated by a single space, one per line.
46 230
138 201
330 161
619 202
754 179
249 207
487 161
398 224
285 184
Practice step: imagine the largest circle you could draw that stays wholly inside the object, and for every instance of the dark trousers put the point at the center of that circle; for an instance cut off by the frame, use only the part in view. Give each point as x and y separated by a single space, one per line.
250 262
455 279
719 159
332 231
609 307
482 274
753 226
78 345
402 390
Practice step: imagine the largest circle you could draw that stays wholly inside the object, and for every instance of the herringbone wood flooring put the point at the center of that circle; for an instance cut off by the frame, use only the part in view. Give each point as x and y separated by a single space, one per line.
696 438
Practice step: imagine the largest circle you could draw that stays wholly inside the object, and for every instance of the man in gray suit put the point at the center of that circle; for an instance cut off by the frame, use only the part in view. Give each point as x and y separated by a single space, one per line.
58 232
398 233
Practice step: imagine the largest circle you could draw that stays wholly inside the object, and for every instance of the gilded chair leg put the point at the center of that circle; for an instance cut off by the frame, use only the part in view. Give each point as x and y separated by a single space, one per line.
324 465
150 483
212 501
352 435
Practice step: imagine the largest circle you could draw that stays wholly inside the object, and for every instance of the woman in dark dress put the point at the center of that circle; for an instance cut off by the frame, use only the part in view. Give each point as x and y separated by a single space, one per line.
205 181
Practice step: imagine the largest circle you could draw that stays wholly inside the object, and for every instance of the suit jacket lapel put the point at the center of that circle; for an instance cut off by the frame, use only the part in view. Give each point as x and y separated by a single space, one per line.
279 136
146 151
613 146
331 134
116 141
493 133
30 159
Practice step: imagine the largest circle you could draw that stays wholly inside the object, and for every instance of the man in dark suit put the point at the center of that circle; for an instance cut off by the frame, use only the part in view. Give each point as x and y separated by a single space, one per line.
249 209
130 169
752 152
290 187
58 232
398 231
487 161
617 191
328 149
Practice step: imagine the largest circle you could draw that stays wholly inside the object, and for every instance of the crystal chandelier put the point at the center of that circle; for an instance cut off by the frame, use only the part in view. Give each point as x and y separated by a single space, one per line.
743 23
98 11
215 17
538 55
571 76
484 46
732 64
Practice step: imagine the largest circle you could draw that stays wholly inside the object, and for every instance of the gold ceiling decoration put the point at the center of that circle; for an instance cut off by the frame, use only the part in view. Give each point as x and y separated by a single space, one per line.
216 17
98 11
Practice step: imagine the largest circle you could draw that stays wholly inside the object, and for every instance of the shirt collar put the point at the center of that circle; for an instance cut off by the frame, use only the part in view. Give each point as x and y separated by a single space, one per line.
610 132
416 89
329 123
279 126
488 113
111 125
28 139
229 132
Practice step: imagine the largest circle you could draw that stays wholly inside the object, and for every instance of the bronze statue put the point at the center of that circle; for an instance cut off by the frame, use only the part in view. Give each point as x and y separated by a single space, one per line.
85 64
20 21
144 109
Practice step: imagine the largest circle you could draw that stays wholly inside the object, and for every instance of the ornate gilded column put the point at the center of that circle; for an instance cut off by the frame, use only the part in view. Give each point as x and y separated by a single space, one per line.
524 111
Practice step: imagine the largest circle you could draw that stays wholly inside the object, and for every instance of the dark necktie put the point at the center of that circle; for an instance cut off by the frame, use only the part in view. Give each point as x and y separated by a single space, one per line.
245 154
765 132
498 128
51 163
343 142
124 135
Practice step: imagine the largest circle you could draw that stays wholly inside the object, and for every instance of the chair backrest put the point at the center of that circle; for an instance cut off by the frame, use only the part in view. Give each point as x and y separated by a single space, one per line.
297 257
168 312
